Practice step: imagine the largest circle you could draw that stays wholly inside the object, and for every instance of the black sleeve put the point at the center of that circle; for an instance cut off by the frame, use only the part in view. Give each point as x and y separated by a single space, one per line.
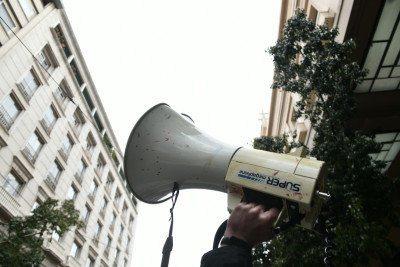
228 256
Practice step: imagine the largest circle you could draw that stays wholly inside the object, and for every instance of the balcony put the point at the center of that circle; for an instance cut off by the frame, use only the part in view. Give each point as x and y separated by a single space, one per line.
8 202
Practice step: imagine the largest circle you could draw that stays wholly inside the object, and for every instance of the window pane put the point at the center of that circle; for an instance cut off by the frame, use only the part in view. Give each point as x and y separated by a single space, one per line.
11 107
7 23
71 193
12 185
55 170
9 111
31 81
74 250
35 143
50 116
27 7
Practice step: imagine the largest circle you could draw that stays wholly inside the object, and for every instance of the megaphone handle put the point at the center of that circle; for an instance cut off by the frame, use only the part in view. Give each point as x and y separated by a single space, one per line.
268 201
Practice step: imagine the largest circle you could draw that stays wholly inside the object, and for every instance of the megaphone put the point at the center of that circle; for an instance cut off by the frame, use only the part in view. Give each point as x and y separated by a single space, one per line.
166 148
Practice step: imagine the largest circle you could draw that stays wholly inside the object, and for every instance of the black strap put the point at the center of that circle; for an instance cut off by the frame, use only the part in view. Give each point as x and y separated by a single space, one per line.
220 232
169 242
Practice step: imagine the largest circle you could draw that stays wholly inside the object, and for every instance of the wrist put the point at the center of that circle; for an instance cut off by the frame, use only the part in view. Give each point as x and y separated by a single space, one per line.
234 241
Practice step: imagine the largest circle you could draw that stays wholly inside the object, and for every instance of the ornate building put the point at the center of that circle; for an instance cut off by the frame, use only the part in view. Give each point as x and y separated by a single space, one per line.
56 140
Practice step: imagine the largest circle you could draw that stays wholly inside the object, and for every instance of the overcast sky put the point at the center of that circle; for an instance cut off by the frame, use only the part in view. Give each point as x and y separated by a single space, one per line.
204 58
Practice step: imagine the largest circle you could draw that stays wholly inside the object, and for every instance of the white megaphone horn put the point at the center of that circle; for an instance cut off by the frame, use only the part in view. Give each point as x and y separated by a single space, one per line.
166 148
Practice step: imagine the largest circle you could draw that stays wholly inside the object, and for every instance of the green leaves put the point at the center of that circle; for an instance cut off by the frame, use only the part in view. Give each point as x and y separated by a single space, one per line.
309 62
21 244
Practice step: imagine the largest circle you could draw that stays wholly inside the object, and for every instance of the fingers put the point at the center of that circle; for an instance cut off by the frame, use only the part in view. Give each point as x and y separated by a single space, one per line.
251 223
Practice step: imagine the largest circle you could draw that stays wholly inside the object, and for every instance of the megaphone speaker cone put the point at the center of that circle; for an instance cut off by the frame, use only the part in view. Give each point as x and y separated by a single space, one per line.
165 147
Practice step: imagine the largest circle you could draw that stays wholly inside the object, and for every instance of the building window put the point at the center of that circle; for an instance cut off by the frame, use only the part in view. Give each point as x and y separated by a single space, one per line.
72 192
29 84
124 210
131 221
85 214
62 94
97 231
128 242
103 206
120 232
33 147
107 245
9 111
101 163
390 148
109 183
93 190
49 119
78 118
27 7
117 198
47 59
116 256
90 144
98 122
113 216
63 41
80 170
89 262
75 250
55 236
313 14
76 72
6 20
54 175
35 205
12 184
66 147
88 99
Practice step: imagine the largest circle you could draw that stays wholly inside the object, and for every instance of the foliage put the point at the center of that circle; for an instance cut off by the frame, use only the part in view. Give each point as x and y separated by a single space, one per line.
20 244
309 62
277 144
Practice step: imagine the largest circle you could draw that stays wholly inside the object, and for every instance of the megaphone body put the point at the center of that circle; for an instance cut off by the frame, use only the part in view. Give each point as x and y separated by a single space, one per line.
166 148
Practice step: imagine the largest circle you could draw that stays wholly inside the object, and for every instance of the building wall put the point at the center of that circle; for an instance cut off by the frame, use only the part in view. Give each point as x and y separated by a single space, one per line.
47 31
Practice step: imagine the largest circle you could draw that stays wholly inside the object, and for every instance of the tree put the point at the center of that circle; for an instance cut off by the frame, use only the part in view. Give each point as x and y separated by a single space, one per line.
309 62
20 243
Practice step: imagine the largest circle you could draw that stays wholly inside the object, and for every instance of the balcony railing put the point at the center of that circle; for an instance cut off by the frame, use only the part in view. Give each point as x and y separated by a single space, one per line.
5 118
31 153
8 202
52 181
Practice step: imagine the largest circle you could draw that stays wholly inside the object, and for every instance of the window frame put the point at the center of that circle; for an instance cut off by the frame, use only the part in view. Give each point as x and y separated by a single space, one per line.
28 149
46 59
52 180
28 7
24 85
7 120
76 247
66 146
74 190
48 123
8 29
16 192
